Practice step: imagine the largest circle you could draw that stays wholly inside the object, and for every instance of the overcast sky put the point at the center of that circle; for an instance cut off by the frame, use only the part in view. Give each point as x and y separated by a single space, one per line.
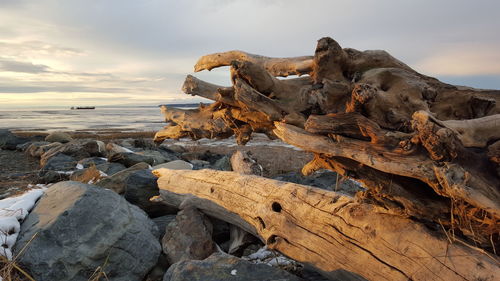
96 52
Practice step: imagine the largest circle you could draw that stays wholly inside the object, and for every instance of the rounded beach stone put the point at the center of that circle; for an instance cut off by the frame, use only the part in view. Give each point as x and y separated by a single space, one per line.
59 137
175 165
81 227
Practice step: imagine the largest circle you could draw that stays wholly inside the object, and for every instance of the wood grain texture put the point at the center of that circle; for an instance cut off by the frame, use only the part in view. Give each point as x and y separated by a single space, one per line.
325 229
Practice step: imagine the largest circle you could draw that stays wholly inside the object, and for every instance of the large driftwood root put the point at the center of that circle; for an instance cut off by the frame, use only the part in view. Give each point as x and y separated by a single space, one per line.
326 230
424 149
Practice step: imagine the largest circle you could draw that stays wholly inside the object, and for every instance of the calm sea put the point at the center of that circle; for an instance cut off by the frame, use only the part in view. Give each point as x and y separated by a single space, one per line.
129 118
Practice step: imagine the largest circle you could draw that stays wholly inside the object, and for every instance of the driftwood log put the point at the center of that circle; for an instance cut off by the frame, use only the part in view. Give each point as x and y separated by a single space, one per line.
426 151
326 230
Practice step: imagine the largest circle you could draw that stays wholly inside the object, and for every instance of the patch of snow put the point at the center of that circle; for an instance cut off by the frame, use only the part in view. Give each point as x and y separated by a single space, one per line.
231 142
261 254
13 210
79 166
40 185
69 173
233 272
271 258
102 158
280 261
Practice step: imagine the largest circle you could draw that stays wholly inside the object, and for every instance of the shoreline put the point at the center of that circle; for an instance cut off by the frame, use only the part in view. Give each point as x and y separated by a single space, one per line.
274 156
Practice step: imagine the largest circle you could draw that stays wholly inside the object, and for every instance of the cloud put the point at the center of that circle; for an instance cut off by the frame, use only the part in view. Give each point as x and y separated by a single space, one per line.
34 48
18 66
60 89
146 48
471 59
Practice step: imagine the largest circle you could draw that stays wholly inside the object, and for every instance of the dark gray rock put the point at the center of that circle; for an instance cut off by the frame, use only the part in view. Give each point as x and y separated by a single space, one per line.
87 162
46 177
224 267
81 227
110 168
117 181
159 156
162 222
198 155
94 147
129 159
60 162
9 141
144 143
23 146
200 164
140 186
173 148
188 237
223 164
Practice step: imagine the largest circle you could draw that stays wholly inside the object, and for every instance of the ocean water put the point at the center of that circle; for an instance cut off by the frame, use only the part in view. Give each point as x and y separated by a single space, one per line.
125 119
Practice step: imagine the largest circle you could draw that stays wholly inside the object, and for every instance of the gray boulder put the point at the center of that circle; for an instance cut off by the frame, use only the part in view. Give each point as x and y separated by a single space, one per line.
82 227
23 146
58 137
224 267
59 162
110 168
175 165
200 164
49 176
94 147
140 186
188 237
76 149
174 148
159 156
223 164
10 141
129 159
117 181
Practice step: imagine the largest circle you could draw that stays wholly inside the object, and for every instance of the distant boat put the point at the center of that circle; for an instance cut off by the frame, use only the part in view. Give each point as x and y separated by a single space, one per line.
83 107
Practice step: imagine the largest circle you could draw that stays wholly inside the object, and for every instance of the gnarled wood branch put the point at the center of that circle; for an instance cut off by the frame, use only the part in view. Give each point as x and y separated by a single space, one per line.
276 66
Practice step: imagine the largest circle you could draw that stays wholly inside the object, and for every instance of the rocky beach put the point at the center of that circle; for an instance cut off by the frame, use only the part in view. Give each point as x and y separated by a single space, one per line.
198 141
96 220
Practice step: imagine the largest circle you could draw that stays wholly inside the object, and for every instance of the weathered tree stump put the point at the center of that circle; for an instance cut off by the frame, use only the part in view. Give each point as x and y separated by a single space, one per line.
425 150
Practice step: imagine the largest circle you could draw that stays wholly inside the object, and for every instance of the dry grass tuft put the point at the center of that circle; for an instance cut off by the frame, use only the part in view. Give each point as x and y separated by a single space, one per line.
90 175
99 273
11 271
